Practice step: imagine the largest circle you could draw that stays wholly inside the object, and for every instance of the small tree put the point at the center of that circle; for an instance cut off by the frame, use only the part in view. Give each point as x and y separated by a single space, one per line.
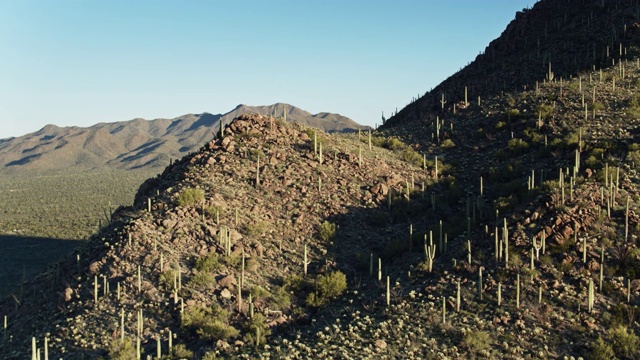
328 287
327 231
190 196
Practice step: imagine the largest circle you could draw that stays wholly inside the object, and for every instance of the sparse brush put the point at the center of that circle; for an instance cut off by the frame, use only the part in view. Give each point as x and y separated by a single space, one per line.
209 323
328 287
190 197
327 231
122 350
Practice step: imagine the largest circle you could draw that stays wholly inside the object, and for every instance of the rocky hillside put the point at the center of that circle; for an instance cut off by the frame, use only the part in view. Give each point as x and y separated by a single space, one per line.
507 229
231 230
138 143
552 40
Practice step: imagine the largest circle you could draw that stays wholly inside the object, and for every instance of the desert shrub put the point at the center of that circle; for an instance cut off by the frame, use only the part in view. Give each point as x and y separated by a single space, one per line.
534 136
208 263
393 144
309 132
633 106
168 278
327 231
257 292
190 196
411 156
328 287
511 114
232 261
255 154
597 106
122 350
257 330
515 261
209 323
255 229
544 111
180 351
252 264
213 211
281 298
476 341
625 343
517 145
634 156
293 282
210 355
592 162
600 350
202 280
572 139
447 144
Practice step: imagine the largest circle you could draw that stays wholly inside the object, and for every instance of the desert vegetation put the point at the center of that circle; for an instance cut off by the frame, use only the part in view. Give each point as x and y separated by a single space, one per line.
502 228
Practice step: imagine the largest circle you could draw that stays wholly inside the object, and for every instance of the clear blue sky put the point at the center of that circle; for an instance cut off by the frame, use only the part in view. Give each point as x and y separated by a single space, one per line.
80 62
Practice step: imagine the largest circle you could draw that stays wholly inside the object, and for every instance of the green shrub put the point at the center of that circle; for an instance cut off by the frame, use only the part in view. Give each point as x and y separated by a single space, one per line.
600 350
573 138
202 280
409 155
255 154
327 231
190 196
634 156
476 341
180 351
210 355
517 146
213 210
257 330
625 343
122 350
281 298
592 162
257 292
512 114
328 287
597 106
209 323
168 279
255 229
544 111
447 144
294 283
208 263
393 144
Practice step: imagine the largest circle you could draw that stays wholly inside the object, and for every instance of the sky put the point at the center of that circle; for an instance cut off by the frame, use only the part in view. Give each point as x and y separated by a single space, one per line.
81 62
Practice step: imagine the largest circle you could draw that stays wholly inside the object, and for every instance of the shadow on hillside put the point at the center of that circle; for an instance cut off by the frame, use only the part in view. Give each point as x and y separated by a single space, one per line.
23 257
206 120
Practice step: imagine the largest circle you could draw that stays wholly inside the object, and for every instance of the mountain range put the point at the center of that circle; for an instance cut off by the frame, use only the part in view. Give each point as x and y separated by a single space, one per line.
139 143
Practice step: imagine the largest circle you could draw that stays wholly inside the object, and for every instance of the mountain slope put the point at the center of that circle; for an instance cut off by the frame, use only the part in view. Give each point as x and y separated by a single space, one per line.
507 229
460 246
191 248
137 143
554 38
